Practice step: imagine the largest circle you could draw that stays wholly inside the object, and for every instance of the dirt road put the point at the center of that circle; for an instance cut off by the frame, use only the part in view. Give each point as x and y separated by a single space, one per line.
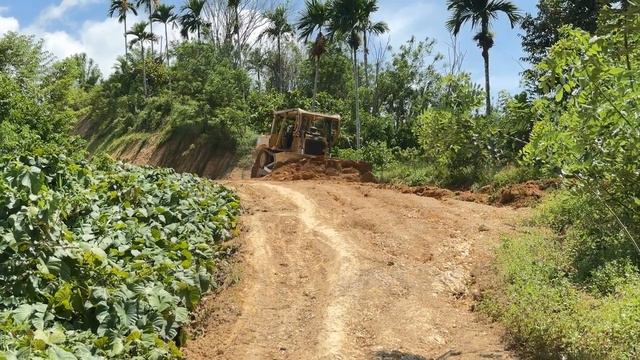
344 271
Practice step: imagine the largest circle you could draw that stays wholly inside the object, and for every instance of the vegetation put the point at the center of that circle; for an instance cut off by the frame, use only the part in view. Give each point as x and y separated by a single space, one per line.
104 259
574 290
82 240
480 13
99 259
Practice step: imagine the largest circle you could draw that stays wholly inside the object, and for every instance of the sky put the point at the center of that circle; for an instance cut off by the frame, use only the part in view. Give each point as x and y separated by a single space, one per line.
74 26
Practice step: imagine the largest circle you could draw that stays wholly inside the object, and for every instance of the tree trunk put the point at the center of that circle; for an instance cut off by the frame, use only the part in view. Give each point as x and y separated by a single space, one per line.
280 82
259 81
151 25
315 84
366 58
166 44
487 81
238 38
126 43
144 69
357 97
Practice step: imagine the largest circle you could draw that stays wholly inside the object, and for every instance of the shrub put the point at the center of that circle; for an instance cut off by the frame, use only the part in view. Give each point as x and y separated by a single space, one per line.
104 260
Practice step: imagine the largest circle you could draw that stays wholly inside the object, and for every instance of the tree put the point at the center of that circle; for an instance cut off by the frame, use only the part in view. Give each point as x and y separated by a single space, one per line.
256 61
346 16
192 19
278 29
140 34
315 16
122 7
234 6
89 73
164 14
543 31
370 27
151 5
480 13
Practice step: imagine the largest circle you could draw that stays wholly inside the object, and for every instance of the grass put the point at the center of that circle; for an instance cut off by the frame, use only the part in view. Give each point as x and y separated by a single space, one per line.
552 304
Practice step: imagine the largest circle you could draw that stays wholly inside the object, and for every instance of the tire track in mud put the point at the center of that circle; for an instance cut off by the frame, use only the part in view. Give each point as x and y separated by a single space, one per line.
331 338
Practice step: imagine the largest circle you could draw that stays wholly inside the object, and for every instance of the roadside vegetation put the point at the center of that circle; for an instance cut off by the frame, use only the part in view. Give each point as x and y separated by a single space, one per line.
573 290
102 259
98 259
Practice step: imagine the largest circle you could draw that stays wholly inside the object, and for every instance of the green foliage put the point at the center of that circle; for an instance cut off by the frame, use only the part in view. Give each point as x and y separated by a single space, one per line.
104 259
549 316
575 291
591 136
452 136
511 174
39 99
205 90
543 31
375 153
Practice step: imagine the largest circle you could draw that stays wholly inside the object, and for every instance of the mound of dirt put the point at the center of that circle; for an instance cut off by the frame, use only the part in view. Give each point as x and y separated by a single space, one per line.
517 196
323 169
521 195
440 193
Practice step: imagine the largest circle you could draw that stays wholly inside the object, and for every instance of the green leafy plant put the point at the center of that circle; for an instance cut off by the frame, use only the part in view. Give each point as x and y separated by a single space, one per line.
104 259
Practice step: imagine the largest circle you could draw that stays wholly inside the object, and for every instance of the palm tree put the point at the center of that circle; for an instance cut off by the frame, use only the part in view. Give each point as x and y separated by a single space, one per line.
192 19
346 23
279 28
164 14
122 7
151 5
370 27
480 13
315 16
140 34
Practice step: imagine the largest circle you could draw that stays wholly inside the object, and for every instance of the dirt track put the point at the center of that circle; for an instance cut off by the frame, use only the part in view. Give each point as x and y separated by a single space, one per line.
347 271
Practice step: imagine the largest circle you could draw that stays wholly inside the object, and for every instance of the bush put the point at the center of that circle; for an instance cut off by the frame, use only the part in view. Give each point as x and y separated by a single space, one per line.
550 317
104 260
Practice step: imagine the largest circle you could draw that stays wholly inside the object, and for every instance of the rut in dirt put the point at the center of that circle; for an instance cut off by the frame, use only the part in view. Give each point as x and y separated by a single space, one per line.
348 271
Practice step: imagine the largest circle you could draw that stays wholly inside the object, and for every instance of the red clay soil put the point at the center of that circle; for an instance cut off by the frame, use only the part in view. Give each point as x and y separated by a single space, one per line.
323 169
518 195
343 270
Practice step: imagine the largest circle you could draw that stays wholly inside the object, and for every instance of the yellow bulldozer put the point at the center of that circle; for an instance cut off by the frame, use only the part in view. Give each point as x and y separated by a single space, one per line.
295 134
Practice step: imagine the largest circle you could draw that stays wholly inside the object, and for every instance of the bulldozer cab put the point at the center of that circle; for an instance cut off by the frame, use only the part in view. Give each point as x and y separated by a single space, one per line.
304 132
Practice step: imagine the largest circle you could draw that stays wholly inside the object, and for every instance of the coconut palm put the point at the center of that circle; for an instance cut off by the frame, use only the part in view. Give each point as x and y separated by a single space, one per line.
150 5
315 16
121 8
480 13
192 18
140 36
164 14
278 29
370 27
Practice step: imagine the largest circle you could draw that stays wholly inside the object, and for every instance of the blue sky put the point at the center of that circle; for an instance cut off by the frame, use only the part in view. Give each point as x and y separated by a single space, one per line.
72 26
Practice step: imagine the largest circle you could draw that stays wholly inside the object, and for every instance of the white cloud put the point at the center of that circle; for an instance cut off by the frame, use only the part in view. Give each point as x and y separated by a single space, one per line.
8 24
61 44
103 41
54 12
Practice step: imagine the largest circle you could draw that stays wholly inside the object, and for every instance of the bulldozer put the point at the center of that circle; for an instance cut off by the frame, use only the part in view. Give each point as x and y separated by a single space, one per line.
295 134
